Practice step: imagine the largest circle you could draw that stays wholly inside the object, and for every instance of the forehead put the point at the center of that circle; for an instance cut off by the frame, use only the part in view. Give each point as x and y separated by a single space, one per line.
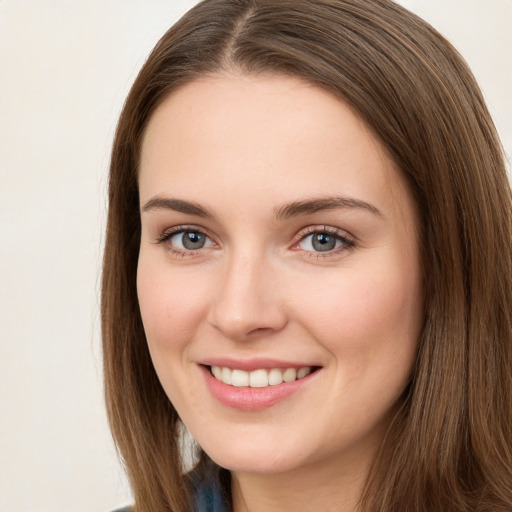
256 107
246 136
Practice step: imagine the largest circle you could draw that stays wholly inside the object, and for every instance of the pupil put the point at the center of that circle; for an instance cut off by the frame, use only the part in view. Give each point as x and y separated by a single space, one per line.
323 242
192 240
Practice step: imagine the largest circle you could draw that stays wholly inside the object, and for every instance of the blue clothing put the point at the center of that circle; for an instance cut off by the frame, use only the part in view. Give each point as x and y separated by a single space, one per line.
210 500
208 497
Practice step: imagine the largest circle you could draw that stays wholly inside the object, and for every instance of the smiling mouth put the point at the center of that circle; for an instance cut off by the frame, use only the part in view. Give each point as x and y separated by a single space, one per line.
260 378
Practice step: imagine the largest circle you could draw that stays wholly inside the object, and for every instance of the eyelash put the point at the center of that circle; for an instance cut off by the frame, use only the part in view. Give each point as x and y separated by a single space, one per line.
169 233
347 243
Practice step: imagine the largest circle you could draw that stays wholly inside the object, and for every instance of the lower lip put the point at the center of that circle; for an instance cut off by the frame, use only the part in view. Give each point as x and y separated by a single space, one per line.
253 399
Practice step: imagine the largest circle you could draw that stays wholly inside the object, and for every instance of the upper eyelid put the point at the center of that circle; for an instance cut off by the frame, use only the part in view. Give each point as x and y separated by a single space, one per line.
169 232
331 230
318 228
300 235
348 240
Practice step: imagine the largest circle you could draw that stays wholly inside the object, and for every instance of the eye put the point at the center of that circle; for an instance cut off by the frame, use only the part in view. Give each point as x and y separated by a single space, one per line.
324 241
183 241
190 240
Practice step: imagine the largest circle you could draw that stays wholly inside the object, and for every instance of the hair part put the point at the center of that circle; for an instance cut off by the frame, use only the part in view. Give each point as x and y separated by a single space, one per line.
449 446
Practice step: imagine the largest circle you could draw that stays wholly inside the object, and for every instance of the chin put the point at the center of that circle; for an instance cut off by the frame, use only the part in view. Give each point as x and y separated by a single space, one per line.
242 456
262 464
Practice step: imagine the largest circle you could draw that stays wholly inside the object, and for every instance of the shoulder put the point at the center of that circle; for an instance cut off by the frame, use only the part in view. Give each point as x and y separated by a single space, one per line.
124 509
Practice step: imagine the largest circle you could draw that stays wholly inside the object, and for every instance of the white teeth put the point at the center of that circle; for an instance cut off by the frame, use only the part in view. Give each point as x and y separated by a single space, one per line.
226 375
275 376
239 378
260 378
290 374
303 372
217 372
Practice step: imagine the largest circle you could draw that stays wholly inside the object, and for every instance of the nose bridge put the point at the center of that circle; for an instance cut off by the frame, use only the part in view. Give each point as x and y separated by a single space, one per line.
247 300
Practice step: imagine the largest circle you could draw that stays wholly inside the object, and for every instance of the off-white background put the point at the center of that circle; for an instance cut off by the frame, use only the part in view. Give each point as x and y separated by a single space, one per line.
65 68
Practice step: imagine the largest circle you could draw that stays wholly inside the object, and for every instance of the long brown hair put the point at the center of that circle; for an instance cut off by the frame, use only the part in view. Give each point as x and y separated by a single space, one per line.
449 447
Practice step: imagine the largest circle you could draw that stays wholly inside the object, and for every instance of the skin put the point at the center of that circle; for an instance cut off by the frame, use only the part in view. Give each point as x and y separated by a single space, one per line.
241 147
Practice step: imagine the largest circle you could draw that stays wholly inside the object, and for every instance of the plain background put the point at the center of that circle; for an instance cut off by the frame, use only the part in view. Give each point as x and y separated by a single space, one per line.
65 69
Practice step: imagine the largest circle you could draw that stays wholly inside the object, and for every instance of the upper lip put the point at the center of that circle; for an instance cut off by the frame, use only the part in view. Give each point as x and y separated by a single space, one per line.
253 364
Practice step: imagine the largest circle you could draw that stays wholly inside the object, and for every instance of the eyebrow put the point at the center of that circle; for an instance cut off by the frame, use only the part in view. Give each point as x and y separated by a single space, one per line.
310 206
178 205
286 211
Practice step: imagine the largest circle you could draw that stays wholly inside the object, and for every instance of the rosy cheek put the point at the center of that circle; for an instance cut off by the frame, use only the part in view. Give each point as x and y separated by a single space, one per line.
364 311
170 307
153 303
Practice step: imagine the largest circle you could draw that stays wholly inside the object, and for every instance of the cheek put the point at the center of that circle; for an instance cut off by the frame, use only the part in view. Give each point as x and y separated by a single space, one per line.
366 317
171 304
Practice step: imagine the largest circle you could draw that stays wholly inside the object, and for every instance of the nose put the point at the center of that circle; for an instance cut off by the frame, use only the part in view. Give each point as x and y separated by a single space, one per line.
249 303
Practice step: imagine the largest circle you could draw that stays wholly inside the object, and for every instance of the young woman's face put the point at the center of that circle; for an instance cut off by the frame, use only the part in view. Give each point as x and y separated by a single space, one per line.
279 252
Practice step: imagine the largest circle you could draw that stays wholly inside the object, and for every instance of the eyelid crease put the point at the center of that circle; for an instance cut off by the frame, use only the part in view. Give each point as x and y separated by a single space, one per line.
325 229
170 232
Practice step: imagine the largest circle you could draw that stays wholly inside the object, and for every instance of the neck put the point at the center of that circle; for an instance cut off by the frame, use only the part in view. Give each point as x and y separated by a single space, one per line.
326 487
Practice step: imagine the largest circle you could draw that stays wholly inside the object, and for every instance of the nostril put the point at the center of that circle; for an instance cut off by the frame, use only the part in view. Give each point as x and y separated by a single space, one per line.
260 330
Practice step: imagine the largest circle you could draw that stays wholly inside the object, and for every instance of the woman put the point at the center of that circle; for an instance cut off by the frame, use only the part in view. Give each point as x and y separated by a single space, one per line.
308 265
